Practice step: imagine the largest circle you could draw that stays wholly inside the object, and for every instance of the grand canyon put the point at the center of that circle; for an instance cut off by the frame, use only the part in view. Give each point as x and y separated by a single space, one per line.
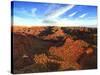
53 48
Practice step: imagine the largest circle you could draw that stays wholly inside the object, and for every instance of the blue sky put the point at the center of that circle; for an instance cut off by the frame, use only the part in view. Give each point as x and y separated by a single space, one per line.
32 13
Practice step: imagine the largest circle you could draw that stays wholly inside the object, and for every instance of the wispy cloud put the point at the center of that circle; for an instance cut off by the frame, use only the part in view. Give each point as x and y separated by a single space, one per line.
51 17
83 15
33 11
74 13
29 13
60 11
51 8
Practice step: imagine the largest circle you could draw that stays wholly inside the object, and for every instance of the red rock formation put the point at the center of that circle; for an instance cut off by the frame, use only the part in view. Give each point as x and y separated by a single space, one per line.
69 52
28 30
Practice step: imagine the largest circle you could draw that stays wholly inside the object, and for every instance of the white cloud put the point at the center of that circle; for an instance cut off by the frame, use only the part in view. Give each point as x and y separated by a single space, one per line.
74 13
51 17
83 15
60 11
29 13
33 11
50 8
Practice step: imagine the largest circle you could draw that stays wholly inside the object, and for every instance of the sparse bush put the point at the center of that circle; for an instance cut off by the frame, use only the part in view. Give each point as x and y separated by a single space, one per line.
40 59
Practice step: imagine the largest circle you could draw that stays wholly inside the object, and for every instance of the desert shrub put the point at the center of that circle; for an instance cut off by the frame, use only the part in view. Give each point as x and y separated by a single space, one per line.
41 58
